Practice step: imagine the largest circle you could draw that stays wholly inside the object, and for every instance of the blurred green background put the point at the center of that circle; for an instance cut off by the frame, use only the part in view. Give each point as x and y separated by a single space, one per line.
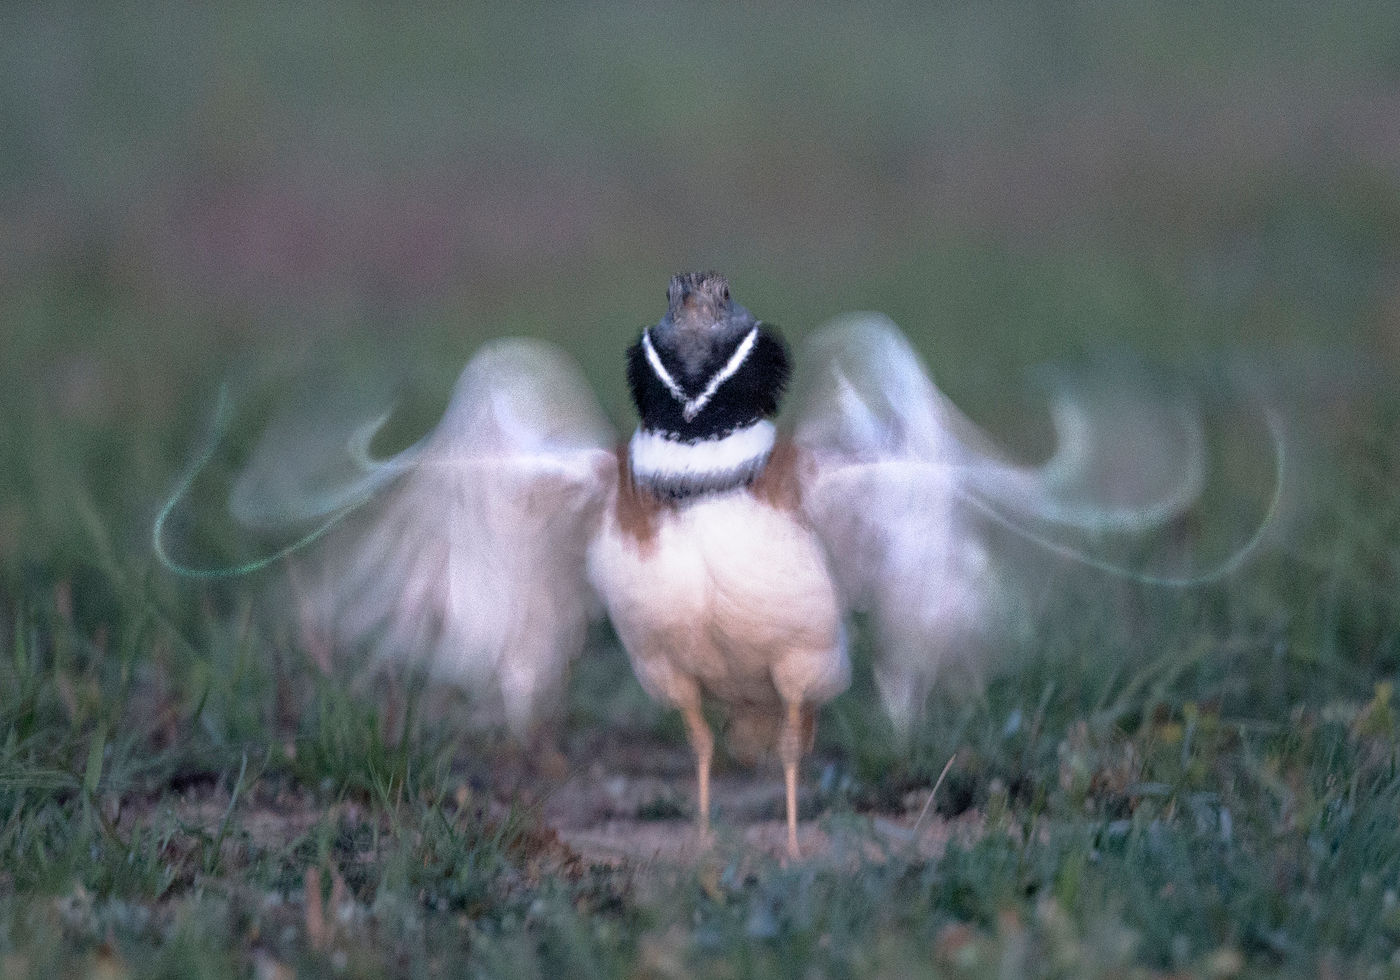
192 194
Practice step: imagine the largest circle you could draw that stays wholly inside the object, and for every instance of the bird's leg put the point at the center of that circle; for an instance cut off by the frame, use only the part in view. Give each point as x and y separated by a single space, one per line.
790 739
703 741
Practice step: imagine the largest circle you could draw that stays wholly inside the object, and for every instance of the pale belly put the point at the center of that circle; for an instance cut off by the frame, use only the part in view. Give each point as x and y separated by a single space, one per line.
729 593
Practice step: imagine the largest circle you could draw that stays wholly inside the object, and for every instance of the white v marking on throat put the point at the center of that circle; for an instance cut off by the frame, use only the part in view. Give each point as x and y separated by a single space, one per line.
691 407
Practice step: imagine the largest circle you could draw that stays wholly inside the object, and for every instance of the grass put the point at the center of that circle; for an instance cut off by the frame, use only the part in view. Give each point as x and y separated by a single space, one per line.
1202 783
1153 782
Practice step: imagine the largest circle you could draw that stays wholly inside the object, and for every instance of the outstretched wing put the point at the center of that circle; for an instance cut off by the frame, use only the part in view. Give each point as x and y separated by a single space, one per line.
471 556
903 488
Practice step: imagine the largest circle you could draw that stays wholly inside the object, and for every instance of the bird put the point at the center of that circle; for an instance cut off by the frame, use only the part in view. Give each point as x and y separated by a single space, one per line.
727 545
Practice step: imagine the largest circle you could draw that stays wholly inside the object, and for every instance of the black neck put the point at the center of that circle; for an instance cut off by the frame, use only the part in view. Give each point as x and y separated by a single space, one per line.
751 393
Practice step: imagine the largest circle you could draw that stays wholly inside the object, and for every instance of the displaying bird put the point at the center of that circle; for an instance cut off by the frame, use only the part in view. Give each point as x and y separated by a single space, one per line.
726 553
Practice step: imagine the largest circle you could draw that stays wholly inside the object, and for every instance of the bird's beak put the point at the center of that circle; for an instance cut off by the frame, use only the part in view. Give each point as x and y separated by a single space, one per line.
695 311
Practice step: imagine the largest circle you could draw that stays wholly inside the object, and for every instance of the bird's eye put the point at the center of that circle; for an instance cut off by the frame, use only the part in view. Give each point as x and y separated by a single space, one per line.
725 293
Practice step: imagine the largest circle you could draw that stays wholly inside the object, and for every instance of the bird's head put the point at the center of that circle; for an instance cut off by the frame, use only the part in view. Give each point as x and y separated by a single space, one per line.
701 319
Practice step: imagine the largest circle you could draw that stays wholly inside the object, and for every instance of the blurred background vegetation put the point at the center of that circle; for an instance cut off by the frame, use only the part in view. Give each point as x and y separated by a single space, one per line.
185 194
192 195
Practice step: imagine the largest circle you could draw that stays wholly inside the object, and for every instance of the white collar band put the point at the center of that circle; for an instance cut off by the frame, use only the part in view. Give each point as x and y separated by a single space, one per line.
674 468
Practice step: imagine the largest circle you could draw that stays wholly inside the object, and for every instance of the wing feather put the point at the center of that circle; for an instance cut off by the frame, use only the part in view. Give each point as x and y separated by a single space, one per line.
903 488
469 555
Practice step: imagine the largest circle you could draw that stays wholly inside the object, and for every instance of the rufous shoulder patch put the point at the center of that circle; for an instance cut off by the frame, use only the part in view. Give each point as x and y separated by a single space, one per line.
779 483
638 510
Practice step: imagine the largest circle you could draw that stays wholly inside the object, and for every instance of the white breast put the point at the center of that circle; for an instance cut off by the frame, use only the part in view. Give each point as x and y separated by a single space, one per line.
730 592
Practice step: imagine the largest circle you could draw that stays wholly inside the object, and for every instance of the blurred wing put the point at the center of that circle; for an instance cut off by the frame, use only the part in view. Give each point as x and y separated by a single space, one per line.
308 465
903 487
472 558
